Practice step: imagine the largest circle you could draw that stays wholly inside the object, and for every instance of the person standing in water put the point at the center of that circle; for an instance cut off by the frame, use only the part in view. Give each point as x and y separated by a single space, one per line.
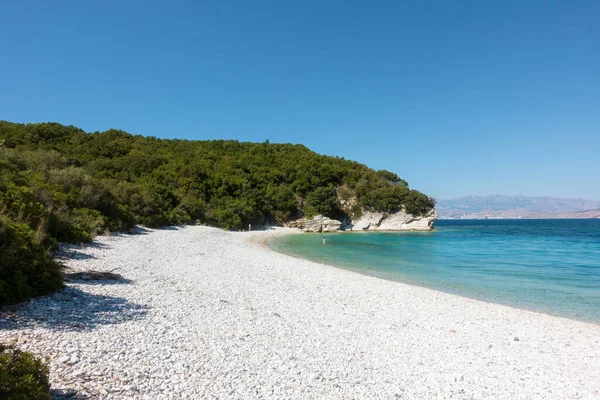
323 240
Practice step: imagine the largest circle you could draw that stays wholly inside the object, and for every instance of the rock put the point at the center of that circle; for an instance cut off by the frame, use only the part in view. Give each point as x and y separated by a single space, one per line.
318 224
368 220
399 221
308 331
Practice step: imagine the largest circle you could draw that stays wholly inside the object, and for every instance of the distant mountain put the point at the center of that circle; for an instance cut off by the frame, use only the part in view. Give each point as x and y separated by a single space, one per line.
498 206
572 215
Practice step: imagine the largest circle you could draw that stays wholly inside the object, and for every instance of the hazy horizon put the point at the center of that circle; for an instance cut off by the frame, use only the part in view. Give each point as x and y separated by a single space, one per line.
518 195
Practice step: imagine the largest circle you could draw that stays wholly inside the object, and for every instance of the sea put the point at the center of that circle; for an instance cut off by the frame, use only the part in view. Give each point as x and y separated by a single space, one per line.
549 266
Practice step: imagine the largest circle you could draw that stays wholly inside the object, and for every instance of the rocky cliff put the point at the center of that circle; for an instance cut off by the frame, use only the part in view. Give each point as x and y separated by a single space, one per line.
317 224
399 221
369 221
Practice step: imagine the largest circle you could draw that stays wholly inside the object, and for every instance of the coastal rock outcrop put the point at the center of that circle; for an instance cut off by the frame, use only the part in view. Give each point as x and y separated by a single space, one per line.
318 223
399 221
369 221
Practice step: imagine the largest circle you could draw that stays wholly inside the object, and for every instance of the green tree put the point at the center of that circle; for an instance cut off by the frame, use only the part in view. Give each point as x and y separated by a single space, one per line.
58 183
323 201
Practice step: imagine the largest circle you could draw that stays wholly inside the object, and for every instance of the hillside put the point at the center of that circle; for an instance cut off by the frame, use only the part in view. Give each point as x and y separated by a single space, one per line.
59 183
476 207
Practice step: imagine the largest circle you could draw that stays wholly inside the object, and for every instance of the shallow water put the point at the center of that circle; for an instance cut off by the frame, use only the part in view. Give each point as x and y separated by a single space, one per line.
551 266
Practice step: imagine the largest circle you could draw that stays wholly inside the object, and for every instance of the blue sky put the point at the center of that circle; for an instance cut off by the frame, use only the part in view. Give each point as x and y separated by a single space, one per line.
459 98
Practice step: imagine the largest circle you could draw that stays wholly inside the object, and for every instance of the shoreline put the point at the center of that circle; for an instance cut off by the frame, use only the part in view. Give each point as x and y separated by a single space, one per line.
266 239
211 313
272 233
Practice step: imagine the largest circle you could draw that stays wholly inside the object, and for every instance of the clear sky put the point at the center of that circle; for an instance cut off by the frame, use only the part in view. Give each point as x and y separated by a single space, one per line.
457 97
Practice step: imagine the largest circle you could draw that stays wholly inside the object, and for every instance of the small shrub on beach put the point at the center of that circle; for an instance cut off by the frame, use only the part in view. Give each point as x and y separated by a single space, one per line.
26 268
22 375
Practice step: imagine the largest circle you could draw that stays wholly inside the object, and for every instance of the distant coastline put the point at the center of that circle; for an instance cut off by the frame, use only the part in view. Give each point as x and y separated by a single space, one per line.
517 207
512 214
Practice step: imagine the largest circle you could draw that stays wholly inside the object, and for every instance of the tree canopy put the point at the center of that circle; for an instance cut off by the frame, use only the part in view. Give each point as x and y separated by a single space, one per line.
59 183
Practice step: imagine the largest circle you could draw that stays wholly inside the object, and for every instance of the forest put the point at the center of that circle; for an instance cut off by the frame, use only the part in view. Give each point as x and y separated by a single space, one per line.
61 184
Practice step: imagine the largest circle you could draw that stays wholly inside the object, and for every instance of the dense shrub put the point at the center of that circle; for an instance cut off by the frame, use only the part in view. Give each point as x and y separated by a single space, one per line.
26 268
151 181
22 376
62 184
322 200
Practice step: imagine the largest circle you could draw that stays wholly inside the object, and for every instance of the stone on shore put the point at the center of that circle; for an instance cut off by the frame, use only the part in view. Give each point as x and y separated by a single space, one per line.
369 221
318 223
202 313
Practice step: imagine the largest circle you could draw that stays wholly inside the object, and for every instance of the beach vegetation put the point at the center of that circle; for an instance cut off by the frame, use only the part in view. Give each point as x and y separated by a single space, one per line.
322 201
26 267
22 375
59 183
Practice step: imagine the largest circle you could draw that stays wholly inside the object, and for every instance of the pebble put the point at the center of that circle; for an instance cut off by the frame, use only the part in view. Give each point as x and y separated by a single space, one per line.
212 314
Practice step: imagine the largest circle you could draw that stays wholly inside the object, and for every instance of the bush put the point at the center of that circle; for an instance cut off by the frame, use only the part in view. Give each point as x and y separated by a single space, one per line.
26 268
22 376
322 201
63 227
190 208
417 203
58 183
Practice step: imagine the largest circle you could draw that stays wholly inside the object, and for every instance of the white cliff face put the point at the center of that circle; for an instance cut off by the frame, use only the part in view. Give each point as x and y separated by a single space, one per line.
399 221
369 221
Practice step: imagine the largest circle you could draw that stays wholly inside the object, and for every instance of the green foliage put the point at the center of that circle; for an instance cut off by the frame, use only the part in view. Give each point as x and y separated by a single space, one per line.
26 268
133 179
68 185
356 211
381 195
22 376
323 201
282 202
414 200
391 177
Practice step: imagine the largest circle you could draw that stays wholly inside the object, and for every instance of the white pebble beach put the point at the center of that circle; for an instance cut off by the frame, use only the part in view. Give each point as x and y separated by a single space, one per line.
208 314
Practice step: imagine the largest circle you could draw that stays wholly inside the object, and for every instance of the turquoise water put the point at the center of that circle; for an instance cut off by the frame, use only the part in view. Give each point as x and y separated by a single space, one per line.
552 266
